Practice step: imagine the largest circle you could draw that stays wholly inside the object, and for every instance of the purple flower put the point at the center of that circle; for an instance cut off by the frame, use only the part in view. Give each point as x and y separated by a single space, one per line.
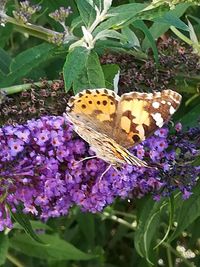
154 155
186 193
140 151
79 147
22 134
92 166
162 132
41 167
41 137
62 153
15 145
56 138
178 127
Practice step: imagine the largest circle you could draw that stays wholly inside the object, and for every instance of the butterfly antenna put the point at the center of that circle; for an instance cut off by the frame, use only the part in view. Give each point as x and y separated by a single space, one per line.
86 158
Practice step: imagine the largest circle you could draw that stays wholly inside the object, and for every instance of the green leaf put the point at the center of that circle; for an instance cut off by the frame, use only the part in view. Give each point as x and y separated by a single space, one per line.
5 61
86 11
4 244
2 76
194 18
193 35
32 56
74 64
110 34
91 76
172 20
24 63
86 223
157 29
190 119
119 16
187 212
102 45
5 33
152 13
131 37
148 224
77 21
35 226
110 70
55 248
142 26
196 162
23 220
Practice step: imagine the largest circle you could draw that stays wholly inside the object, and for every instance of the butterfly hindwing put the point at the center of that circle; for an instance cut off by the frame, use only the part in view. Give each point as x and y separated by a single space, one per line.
141 114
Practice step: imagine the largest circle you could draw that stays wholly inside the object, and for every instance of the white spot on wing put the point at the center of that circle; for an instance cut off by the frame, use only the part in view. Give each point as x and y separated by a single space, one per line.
149 96
177 101
171 110
158 119
163 102
169 103
156 104
158 94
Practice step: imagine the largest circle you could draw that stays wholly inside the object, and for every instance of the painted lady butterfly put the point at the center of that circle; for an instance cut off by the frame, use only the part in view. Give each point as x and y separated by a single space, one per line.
111 124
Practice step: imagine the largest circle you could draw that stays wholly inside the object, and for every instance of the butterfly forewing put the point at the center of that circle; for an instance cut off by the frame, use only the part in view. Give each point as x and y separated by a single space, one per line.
96 108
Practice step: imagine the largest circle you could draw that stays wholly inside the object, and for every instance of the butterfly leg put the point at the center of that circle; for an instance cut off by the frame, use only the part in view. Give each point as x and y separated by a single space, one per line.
106 170
86 158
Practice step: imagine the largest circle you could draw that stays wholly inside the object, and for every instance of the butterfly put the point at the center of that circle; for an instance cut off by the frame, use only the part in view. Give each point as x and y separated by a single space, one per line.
111 124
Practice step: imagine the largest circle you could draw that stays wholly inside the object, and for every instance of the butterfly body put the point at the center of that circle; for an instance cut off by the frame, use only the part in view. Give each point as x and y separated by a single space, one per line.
112 124
105 147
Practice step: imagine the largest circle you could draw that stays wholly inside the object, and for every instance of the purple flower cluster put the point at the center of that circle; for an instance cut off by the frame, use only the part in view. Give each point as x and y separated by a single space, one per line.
40 168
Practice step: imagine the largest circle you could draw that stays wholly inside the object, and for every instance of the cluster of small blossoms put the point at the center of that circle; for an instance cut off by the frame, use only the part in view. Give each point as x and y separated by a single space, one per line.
2 96
25 11
172 55
61 14
40 169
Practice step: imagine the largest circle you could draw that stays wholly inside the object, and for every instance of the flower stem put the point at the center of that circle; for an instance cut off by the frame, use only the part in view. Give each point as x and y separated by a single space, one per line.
124 214
14 260
35 30
169 257
22 87
119 220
